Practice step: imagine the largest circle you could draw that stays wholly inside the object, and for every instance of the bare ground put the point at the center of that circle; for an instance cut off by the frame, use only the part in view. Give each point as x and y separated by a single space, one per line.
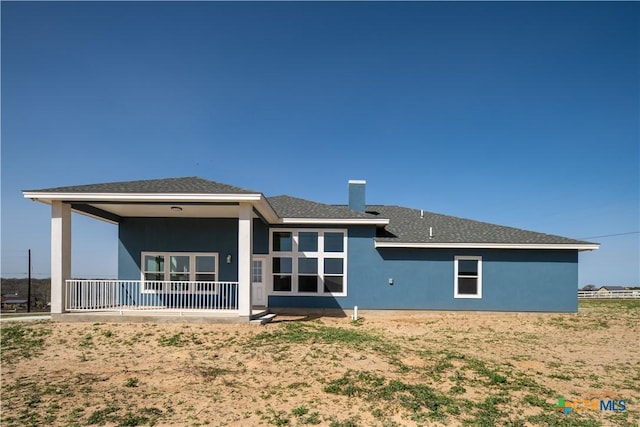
417 369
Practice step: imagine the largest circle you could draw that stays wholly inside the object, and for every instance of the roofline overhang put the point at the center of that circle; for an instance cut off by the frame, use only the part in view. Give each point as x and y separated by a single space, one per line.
428 245
142 197
258 200
333 221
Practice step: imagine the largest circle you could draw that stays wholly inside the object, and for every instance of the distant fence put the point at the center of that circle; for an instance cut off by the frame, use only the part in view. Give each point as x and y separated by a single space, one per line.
609 294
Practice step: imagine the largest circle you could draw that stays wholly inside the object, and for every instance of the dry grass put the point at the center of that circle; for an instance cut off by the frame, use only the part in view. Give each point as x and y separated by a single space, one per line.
422 369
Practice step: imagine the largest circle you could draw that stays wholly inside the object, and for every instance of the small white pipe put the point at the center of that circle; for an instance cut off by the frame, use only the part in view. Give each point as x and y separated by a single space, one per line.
421 213
431 232
355 312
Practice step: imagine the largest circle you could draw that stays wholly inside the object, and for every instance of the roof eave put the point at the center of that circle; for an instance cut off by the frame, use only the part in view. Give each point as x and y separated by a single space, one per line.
48 197
258 200
430 245
334 221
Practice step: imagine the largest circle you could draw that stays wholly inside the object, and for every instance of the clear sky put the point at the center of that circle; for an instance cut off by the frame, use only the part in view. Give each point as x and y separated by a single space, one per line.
521 114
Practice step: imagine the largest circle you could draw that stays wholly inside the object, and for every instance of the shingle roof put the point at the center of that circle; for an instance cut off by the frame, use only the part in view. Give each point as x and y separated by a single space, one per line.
293 207
189 185
406 226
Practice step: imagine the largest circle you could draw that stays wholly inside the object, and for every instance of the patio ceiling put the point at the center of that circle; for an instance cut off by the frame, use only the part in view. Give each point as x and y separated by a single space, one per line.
113 207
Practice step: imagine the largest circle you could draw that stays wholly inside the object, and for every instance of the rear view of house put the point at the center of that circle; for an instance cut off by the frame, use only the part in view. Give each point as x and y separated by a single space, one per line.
190 244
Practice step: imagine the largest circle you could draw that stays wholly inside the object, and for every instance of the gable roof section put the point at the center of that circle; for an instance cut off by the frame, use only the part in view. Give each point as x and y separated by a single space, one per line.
293 210
188 185
407 229
114 200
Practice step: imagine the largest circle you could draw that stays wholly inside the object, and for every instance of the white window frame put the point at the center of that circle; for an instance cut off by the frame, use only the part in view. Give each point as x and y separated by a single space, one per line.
320 254
191 287
456 276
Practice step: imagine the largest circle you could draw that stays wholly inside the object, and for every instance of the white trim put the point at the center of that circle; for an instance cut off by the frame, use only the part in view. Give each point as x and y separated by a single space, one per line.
477 295
134 197
333 221
357 181
320 254
574 246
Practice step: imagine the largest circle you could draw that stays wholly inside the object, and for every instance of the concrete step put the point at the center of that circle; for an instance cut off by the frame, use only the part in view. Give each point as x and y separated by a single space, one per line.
266 318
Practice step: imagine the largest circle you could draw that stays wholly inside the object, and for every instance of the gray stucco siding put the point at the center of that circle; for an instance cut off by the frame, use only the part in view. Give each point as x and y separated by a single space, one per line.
512 280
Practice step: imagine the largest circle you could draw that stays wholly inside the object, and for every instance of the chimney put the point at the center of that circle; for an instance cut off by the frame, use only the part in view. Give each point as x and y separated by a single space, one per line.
356 195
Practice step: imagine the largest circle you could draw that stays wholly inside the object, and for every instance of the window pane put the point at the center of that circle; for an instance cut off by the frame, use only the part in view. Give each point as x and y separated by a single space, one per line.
154 276
282 241
206 263
282 265
333 283
153 263
334 242
206 277
333 266
256 271
179 263
307 241
307 283
307 265
282 283
467 286
468 267
179 277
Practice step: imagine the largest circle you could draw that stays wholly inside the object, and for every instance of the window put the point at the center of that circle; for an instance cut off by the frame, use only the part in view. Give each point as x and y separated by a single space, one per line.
307 274
282 272
282 241
309 262
468 277
256 271
185 272
333 275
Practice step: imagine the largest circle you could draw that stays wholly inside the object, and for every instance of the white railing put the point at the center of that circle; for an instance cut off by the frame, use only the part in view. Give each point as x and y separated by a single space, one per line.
135 295
626 294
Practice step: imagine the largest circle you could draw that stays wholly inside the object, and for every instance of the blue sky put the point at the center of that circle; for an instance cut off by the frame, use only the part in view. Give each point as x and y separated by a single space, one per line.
522 114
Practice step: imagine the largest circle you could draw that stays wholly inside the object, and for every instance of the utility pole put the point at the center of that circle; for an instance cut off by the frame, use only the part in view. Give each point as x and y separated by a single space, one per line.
29 288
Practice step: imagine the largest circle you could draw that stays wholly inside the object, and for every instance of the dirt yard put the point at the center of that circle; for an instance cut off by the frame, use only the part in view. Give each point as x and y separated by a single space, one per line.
421 369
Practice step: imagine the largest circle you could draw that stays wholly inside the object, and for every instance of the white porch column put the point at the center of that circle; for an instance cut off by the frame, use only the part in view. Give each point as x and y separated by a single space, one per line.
245 249
60 254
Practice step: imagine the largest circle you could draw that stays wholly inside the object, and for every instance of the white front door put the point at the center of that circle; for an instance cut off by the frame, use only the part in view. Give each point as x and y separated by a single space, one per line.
259 288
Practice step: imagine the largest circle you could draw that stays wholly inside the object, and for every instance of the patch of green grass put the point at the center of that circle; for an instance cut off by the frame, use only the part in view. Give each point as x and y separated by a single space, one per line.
20 342
131 382
417 398
102 416
299 333
299 411
278 418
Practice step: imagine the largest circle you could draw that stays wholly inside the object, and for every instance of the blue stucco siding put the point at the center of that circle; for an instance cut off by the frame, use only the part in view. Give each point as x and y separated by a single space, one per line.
137 235
260 237
512 280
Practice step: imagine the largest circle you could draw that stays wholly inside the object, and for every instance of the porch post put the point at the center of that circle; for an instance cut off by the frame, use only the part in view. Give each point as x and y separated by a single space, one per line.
60 254
245 249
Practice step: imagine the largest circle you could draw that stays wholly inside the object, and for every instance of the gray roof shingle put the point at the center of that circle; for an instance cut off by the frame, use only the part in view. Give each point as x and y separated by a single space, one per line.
293 207
188 185
406 226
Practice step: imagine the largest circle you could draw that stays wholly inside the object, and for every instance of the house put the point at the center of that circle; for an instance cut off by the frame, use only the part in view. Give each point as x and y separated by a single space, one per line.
606 289
190 244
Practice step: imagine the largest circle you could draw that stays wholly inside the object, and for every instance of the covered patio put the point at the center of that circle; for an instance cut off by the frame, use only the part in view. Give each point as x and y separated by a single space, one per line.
185 247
